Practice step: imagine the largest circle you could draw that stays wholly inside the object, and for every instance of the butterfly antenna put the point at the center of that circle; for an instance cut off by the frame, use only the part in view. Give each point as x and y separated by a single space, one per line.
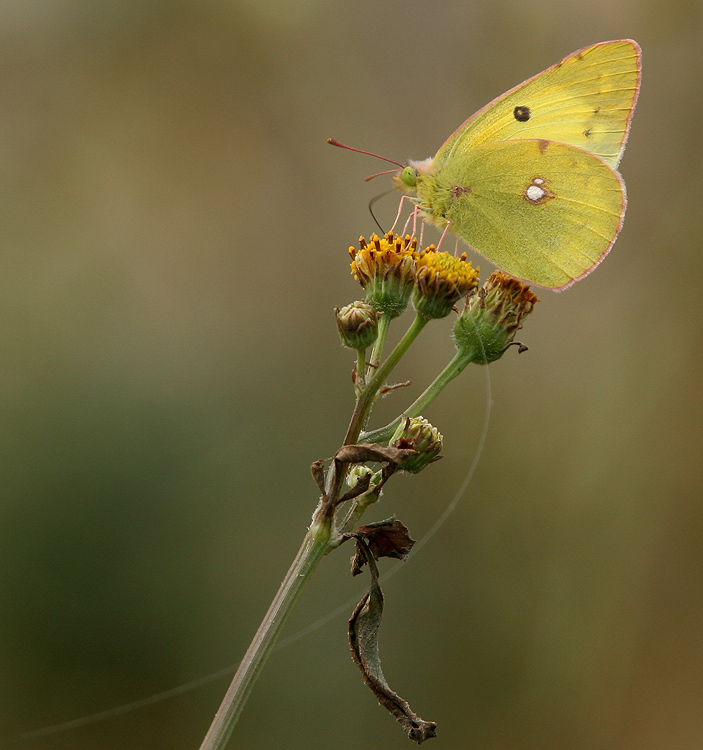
372 201
378 174
332 142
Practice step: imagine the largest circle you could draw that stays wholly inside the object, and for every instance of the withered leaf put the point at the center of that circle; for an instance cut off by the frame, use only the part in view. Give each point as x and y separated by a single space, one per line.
363 641
359 488
386 389
357 454
318 474
389 538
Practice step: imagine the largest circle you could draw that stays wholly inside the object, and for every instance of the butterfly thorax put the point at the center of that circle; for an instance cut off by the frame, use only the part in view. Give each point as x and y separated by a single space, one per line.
439 192
434 196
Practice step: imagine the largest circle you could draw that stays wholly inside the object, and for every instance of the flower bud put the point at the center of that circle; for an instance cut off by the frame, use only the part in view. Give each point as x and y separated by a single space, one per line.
357 324
417 433
492 317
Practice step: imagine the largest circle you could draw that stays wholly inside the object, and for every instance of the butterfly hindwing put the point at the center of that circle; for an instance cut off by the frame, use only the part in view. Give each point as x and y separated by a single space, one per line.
541 210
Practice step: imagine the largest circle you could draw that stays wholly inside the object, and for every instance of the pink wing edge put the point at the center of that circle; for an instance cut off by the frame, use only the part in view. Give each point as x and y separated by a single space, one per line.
623 208
638 52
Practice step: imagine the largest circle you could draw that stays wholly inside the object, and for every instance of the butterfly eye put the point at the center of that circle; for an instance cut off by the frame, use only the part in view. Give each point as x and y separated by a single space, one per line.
409 176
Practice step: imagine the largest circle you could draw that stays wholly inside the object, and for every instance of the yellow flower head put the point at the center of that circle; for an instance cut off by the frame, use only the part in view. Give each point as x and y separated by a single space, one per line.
441 281
385 268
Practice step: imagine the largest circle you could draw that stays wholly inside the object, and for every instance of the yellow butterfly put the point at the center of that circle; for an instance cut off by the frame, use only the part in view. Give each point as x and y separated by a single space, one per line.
529 181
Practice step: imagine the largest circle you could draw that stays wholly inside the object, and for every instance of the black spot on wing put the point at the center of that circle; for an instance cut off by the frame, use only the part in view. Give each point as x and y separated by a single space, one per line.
522 113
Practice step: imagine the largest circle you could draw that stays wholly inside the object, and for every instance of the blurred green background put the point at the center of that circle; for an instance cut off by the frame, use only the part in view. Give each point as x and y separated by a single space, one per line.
174 233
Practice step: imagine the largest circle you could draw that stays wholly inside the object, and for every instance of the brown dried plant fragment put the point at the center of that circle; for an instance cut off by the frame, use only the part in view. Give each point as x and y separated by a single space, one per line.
389 538
386 389
358 454
363 640
318 474
359 488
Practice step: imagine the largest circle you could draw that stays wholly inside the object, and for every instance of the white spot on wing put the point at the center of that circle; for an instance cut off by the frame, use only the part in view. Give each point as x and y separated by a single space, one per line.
537 192
534 193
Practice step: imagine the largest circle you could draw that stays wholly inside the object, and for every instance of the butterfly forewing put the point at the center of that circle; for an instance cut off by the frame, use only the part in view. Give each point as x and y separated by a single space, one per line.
586 100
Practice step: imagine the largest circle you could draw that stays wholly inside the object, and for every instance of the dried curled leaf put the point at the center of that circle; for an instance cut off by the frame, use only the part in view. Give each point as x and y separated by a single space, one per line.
318 474
363 641
386 389
359 488
389 538
357 454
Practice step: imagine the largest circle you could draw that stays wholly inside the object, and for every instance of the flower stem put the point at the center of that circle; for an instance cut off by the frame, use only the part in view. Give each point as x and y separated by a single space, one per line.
367 398
455 367
360 369
313 549
315 545
384 321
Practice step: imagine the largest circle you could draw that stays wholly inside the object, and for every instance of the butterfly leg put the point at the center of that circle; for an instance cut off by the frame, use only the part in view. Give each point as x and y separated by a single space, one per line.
412 217
397 216
441 239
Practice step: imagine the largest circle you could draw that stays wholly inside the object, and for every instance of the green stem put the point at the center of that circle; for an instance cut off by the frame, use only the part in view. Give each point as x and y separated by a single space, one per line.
314 547
367 398
352 516
455 367
360 369
384 321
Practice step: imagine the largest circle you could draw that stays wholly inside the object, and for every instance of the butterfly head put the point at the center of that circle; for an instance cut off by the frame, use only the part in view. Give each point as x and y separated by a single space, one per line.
407 177
411 174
